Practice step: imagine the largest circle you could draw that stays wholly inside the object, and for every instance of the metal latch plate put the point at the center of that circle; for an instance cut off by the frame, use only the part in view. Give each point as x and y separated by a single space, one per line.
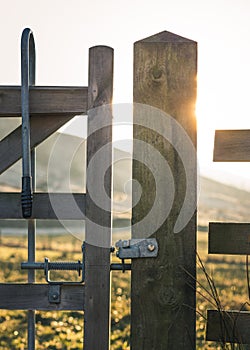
54 293
137 248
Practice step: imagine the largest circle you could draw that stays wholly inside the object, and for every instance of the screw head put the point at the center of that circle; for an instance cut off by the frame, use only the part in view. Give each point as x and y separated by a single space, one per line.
151 247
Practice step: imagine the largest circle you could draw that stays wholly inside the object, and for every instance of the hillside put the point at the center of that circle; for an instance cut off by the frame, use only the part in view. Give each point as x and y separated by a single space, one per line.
216 201
220 202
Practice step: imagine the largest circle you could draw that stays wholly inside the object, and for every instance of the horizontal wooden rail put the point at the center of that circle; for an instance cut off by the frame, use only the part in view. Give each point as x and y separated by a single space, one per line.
228 326
64 206
41 128
229 238
44 100
36 297
232 146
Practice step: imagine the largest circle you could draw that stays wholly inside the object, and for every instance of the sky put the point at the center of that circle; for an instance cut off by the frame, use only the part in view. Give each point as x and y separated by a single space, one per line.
64 30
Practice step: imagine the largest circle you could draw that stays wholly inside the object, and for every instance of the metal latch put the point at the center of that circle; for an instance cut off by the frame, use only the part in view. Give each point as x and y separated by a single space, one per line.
48 266
137 248
134 249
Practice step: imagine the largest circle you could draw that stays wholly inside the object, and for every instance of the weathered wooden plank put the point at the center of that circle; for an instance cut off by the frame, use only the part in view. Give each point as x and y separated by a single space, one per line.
45 206
229 238
162 293
41 128
98 203
44 100
35 297
232 146
228 326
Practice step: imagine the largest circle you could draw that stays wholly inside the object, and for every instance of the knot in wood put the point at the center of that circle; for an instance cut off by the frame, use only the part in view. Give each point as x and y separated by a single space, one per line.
157 74
167 297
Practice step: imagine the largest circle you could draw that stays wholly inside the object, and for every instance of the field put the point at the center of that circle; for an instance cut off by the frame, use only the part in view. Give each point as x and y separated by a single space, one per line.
228 274
64 330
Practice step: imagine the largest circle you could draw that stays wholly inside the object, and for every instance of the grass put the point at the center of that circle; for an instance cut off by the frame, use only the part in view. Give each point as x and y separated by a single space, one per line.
222 286
64 330
57 330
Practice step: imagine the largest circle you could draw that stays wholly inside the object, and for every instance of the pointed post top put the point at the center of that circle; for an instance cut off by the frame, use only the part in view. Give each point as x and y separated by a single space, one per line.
165 37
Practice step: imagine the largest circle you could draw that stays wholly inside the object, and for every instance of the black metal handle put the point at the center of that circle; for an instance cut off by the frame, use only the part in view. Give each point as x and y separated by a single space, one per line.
26 197
28 78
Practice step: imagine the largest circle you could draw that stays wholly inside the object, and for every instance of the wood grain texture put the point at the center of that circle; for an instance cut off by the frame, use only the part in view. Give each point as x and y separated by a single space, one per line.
229 238
44 100
228 326
98 219
41 128
163 296
45 206
232 146
35 297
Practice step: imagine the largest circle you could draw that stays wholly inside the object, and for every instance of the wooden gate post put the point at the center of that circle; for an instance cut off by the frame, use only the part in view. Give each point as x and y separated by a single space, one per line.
98 213
163 289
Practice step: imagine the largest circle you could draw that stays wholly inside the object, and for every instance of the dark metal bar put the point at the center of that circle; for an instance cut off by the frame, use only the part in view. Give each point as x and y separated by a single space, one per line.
120 267
32 265
28 161
32 224
68 266
60 266
32 258
28 78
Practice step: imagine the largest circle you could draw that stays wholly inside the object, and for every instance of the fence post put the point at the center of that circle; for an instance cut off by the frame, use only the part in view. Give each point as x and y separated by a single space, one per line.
163 289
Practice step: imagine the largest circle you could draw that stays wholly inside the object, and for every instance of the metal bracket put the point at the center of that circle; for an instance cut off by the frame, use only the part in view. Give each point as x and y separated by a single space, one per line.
134 249
137 248
62 266
54 293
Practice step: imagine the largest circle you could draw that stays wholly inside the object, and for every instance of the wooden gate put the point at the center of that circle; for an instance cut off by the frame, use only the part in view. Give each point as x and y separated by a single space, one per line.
163 293
50 108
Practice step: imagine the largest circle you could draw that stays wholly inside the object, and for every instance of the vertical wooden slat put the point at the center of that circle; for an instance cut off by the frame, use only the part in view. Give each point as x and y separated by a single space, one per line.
98 220
163 294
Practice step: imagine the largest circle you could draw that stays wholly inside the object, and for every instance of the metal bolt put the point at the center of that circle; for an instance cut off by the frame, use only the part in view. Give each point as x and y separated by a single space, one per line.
55 296
151 247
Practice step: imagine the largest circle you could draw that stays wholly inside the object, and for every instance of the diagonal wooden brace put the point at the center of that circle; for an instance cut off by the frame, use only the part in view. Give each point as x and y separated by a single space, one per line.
41 129
50 108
